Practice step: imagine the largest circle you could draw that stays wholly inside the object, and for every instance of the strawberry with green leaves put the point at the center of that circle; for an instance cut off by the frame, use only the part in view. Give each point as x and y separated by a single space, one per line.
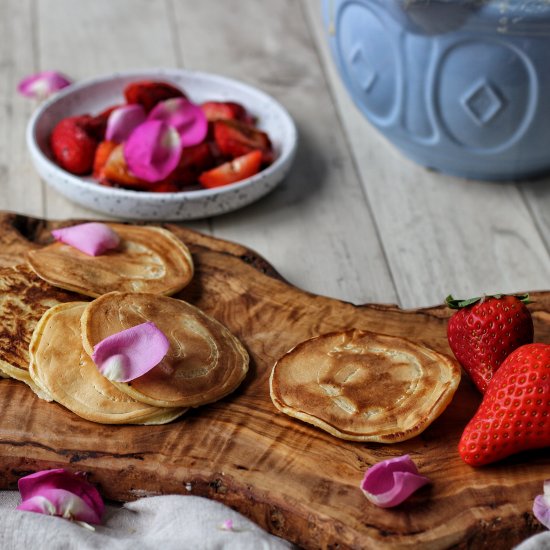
514 415
484 331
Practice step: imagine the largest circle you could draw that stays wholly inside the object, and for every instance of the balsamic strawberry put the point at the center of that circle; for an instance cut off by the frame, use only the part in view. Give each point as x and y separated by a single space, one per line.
72 144
148 93
226 110
235 139
232 171
102 154
514 415
484 331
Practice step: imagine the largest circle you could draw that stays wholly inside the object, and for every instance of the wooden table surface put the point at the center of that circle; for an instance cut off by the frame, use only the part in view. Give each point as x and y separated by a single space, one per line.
354 220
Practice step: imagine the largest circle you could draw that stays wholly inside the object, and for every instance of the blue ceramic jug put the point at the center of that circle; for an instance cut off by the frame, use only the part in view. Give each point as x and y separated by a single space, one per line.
460 86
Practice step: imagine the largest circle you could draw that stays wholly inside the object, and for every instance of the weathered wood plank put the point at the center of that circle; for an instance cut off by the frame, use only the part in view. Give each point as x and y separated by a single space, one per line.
316 228
441 234
20 187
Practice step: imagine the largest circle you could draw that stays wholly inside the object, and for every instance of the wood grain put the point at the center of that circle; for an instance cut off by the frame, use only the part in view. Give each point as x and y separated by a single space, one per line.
296 481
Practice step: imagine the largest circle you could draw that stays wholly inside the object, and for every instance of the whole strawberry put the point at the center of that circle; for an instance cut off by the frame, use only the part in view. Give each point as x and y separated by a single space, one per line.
514 415
73 144
484 331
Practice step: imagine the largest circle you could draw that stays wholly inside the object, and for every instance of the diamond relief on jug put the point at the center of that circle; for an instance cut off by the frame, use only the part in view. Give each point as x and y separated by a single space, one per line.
476 107
482 102
369 58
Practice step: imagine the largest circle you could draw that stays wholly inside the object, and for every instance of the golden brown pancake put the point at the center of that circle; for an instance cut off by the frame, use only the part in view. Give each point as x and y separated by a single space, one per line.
148 259
60 366
24 297
205 361
363 386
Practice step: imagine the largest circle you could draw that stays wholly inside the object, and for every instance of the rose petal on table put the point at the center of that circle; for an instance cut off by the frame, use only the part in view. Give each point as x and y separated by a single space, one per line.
42 84
153 150
123 121
92 238
62 503
131 353
541 505
392 481
39 483
186 117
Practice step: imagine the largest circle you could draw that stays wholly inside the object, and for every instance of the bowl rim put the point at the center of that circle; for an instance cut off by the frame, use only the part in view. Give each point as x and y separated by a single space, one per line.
286 155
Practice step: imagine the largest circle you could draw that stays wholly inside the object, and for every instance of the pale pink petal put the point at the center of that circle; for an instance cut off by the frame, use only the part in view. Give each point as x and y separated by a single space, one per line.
153 150
131 353
92 238
62 503
37 484
123 121
43 84
227 525
392 481
186 117
541 506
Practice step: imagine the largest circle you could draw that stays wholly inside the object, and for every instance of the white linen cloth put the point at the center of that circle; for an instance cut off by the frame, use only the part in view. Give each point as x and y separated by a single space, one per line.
170 522
166 522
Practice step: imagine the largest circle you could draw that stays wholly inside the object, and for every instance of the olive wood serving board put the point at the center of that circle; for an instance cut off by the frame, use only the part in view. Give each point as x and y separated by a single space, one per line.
293 479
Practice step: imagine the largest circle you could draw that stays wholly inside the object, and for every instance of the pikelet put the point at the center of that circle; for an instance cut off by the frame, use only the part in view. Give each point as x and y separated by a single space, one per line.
24 297
148 259
362 386
205 361
63 370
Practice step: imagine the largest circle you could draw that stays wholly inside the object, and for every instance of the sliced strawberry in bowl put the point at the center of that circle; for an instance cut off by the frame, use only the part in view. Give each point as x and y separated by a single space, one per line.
73 145
226 110
233 171
235 139
149 93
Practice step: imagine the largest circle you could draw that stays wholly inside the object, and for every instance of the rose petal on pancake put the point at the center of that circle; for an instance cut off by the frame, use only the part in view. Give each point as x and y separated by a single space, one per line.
153 150
59 492
92 238
541 506
131 353
392 481
186 117
123 121
43 84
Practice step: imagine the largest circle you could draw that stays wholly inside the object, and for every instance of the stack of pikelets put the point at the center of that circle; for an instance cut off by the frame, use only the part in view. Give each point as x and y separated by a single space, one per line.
48 331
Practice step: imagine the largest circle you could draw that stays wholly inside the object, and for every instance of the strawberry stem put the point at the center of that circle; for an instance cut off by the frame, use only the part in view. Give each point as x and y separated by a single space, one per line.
454 303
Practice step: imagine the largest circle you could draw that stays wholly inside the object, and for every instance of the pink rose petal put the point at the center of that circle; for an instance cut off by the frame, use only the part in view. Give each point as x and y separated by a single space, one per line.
55 487
123 121
91 238
186 117
392 481
130 353
541 506
62 503
43 84
153 150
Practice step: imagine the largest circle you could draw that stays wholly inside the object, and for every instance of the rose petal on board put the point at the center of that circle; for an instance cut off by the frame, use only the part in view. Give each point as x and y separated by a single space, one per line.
92 238
40 484
186 117
153 150
131 353
42 84
392 481
123 121
541 506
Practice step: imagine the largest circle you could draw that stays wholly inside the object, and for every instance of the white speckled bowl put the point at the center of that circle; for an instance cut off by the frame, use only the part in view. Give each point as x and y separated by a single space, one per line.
92 96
